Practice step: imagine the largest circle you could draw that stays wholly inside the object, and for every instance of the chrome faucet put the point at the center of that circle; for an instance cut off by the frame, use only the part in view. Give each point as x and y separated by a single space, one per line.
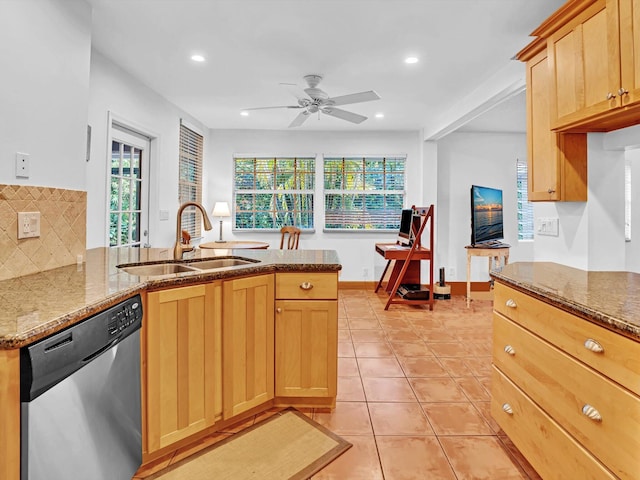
179 248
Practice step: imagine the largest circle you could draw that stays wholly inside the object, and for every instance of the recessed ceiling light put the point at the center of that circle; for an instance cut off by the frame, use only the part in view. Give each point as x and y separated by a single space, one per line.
244 113
379 115
411 60
197 58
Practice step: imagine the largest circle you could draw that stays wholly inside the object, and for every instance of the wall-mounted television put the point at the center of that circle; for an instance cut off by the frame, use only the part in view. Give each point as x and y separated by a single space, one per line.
486 215
405 235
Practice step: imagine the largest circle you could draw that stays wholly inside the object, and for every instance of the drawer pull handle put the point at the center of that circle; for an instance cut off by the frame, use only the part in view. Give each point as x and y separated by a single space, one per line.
278 310
610 96
509 349
511 303
592 413
507 408
591 344
306 286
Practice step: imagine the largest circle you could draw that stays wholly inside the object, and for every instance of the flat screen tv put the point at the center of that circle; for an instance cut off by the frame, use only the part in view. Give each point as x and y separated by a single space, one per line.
486 215
405 235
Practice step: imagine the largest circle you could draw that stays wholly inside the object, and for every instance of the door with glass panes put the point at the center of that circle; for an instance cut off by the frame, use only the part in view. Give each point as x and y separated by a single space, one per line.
128 190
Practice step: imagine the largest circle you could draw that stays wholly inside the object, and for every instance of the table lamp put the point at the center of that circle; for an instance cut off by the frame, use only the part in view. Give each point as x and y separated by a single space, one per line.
221 209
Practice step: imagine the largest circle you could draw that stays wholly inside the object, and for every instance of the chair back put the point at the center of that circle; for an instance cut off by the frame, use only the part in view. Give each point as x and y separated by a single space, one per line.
292 236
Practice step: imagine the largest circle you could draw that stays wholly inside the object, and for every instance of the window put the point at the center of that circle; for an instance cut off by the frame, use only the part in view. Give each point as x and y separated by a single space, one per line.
271 192
525 208
190 178
627 200
125 206
363 193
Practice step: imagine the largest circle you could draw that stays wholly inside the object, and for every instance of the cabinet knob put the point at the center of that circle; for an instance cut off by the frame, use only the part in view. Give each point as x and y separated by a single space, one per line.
278 310
592 413
510 350
592 345
306 286
511 303
611 96
622 91
507 408
550 191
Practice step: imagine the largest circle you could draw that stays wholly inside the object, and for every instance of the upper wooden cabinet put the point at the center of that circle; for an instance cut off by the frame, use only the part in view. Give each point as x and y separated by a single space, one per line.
595 74
557 162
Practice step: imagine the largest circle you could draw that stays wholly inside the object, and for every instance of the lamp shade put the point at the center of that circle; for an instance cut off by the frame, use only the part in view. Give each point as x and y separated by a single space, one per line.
221 209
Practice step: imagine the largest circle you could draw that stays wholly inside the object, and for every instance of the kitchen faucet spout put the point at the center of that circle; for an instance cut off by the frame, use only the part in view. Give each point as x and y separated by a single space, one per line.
179 248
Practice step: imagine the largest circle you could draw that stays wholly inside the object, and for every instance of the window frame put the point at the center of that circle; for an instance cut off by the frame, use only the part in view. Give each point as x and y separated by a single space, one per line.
392 220
524 207
310 214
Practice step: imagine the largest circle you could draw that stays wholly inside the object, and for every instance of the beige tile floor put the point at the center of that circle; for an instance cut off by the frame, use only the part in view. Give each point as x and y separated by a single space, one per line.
413 395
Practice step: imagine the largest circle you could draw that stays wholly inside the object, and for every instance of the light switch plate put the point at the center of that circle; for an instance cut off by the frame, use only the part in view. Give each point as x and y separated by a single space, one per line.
547 226
28 224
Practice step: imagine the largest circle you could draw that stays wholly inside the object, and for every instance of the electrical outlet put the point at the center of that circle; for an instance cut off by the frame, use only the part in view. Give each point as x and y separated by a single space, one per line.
451 272
22 165
365 273
28 224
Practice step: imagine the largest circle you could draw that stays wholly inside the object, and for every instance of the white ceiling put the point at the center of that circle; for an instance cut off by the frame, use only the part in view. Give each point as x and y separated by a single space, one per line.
251 46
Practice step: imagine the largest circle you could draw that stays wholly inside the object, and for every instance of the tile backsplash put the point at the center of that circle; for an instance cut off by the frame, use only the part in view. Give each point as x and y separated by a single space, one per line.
63 229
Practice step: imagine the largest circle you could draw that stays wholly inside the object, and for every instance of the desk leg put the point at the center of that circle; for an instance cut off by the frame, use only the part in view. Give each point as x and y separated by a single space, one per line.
384 272
468 279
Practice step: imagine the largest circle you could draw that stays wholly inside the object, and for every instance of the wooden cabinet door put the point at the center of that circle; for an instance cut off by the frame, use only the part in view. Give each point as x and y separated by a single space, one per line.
182 343
629 14
585 61
248 336
557 163
306 348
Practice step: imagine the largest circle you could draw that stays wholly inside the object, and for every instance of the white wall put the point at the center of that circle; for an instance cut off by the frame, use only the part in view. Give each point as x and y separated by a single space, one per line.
465 159
632 248
44 90
591 234
114 90
356 250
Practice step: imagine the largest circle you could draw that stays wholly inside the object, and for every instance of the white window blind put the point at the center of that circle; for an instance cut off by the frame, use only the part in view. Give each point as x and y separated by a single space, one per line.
272 192
363 193
190 178
525 208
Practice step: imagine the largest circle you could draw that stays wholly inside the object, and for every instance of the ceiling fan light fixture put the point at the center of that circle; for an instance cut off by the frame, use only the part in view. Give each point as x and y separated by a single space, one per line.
411 60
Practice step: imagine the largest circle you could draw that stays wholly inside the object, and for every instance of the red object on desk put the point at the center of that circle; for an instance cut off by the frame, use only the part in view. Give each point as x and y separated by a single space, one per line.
406 267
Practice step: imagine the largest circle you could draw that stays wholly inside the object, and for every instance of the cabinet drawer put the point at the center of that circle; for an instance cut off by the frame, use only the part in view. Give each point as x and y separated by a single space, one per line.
307 286
565 388
551 451
612 354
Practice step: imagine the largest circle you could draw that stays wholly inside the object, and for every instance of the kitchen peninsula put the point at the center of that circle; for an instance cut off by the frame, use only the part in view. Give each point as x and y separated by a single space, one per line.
293 306
566 368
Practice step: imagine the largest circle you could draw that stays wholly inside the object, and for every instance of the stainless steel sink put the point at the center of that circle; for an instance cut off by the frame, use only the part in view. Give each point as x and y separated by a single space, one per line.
157 269
218 263
193 266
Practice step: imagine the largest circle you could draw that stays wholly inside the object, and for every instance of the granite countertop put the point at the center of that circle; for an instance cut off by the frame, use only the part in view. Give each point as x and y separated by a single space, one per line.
35 306
611 299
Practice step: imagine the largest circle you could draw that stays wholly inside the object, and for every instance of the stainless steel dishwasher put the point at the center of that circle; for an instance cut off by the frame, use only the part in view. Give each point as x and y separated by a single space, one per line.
80 399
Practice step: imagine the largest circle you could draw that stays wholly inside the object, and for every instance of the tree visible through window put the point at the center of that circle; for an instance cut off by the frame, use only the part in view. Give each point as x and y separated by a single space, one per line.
272 192
124 195
363 193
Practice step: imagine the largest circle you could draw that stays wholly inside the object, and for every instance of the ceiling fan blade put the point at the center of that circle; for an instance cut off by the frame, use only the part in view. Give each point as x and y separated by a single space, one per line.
296 91
300 119
266 108
355 98
344 115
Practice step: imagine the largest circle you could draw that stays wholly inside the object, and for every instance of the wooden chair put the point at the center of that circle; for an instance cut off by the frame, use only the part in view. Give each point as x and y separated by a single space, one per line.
293 234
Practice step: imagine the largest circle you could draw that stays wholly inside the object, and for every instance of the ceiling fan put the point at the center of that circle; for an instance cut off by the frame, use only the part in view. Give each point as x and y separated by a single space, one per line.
313 100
